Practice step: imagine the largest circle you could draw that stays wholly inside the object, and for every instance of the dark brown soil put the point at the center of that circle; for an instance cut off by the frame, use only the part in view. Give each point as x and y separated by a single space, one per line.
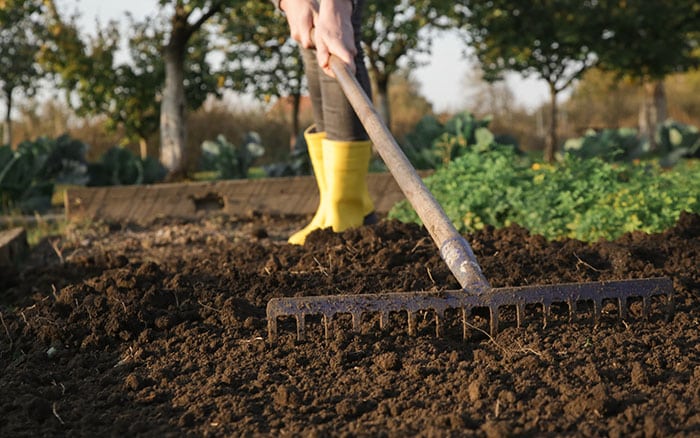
125 331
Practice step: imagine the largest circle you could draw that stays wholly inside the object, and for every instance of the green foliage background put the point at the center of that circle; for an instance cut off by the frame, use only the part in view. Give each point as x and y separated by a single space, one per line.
582 198
29 174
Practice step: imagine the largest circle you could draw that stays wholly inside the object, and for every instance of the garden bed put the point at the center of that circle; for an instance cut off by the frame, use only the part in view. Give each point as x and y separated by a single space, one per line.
160 330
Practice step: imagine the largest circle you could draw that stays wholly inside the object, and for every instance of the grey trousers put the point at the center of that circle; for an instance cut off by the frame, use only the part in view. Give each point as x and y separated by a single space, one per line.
331 110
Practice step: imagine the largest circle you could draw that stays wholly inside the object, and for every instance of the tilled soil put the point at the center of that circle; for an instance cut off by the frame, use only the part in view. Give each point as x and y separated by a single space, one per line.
161 330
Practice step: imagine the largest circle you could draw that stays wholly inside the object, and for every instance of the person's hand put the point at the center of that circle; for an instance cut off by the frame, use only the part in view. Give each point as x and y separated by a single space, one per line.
301 15
334 34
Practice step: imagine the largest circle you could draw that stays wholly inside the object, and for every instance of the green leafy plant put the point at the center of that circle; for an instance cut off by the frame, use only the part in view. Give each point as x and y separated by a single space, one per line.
466 130
19 188
480 195
674 141
229 161
432 144
418 144
608 144
120 166
27 175
677 140
585 199
66 163
297 163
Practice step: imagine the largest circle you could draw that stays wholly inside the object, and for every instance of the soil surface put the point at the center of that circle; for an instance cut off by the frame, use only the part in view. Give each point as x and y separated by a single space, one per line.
160 331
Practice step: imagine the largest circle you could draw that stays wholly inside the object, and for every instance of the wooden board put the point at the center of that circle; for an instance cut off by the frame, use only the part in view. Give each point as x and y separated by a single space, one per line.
143 204
13 246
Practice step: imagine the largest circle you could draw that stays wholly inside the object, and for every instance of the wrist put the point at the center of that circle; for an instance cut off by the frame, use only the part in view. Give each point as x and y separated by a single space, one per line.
339 5
336 11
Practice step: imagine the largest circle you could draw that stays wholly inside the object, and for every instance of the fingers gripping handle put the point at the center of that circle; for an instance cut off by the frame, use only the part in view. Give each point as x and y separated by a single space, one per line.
454 249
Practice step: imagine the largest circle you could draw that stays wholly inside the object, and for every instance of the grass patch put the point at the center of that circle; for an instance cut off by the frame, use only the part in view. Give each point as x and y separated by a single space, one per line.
37 227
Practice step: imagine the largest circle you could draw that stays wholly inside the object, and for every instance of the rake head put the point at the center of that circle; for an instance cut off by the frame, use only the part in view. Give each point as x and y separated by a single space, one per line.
494 300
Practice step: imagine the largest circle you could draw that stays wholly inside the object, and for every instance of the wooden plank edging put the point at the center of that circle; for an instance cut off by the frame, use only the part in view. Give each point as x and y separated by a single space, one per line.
145 203
13 246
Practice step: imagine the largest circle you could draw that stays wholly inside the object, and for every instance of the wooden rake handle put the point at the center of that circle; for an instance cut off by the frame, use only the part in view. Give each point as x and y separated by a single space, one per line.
454 249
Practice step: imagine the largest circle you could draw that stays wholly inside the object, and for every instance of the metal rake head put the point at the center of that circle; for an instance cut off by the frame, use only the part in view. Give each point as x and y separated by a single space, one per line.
494 300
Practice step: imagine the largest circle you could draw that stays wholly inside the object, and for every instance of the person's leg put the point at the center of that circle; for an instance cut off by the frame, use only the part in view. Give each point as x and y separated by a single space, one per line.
313 75
314 145
342 159
314 136
340 120
346 148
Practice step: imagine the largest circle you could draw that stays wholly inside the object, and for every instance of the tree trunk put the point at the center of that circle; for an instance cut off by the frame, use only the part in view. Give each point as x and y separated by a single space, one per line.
173 136
173 109
654 111
550 146
380 86
7 125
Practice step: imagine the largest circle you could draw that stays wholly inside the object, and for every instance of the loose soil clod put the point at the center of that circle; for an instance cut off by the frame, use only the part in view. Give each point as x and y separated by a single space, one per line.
161 330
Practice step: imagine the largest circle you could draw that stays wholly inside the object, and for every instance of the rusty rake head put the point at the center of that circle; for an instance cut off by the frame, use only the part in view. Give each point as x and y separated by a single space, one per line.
494 300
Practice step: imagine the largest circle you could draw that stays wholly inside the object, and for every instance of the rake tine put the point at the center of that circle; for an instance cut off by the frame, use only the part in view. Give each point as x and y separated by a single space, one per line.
572 305
326 326
546 313
356 322
301 327
383 320
493 312
465 325
272 328
438 323
411 323
597 311
622 303
520 314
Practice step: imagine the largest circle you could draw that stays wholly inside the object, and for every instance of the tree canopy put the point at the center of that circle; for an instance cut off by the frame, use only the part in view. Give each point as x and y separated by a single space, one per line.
168 70
552 40
127 90
397 31
647 41
20 41
262 59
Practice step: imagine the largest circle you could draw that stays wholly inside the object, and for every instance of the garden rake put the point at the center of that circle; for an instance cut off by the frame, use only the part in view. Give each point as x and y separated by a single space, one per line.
476 292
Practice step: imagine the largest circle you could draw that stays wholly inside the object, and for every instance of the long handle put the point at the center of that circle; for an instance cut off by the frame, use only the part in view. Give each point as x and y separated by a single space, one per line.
454 249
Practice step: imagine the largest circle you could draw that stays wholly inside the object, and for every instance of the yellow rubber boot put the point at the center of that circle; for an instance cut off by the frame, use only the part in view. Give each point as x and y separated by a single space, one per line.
346 164
314 144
